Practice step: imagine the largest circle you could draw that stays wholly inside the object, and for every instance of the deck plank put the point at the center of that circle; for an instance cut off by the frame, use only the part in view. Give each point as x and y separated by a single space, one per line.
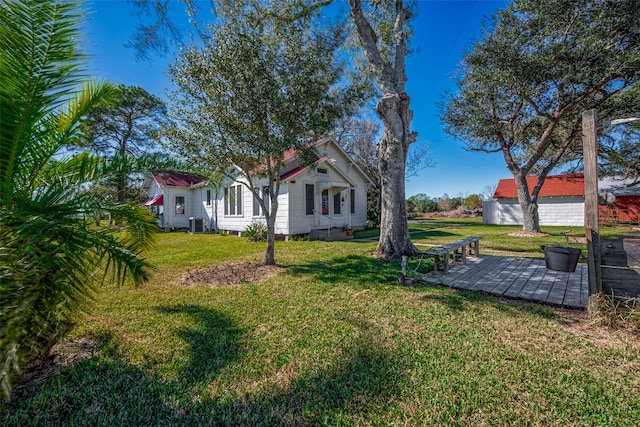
513 273
559 288
520 278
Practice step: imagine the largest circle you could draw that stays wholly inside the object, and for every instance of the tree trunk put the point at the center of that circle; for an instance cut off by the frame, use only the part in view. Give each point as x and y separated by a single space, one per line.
393 109
528 205
270 253
394 241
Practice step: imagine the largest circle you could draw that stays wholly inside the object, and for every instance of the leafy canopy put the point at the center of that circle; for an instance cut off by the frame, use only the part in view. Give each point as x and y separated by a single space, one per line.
538 66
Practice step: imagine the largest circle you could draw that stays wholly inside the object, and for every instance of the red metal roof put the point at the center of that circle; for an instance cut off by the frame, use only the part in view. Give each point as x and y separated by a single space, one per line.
297 171
291 153
178 179
553 186
154 201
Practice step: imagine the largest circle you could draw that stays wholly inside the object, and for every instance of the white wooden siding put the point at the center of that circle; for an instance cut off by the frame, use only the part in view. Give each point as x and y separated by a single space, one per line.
565 211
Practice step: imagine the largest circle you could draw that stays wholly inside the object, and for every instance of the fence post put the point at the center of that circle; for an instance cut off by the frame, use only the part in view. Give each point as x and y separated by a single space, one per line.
592 229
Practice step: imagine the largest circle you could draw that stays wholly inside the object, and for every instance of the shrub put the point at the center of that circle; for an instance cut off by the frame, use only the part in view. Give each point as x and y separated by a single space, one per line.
256 231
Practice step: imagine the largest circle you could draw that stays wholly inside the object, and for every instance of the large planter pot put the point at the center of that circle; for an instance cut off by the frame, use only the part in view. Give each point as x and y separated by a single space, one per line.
561 258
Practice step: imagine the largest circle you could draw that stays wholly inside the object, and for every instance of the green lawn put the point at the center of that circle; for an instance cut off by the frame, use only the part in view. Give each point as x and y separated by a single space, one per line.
332 339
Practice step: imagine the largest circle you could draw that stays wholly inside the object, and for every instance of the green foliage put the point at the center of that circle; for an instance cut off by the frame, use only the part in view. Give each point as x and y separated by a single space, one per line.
53 258
538 66
127 122
124 127
421 203
620 155
256 231
472 201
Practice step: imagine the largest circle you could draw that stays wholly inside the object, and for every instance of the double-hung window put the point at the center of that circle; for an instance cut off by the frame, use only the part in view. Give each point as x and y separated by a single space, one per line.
309 196
179 205
233 200
256 203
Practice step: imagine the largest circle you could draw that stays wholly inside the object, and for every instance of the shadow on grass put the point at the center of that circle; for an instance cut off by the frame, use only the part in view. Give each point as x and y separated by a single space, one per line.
107 390
435 233
363 270
213 341
365 378
460 300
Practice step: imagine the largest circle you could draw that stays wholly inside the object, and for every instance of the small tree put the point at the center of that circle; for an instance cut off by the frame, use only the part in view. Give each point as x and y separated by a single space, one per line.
472 201
265 82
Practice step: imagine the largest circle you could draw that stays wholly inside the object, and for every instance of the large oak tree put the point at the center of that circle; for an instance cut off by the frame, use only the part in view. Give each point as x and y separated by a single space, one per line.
540 64
383 31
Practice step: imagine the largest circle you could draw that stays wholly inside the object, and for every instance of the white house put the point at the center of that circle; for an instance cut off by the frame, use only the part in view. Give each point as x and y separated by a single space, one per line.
175 197
329 193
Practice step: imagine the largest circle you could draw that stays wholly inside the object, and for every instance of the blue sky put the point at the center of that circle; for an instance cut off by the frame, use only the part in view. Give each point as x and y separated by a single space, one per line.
442 30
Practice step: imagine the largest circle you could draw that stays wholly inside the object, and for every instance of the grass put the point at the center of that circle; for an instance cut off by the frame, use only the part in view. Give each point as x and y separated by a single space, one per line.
331 340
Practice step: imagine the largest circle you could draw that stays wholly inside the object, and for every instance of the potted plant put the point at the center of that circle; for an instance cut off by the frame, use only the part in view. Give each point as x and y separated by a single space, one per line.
347 229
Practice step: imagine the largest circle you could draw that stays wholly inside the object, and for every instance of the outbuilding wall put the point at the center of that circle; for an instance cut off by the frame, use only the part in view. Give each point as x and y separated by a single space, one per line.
565 211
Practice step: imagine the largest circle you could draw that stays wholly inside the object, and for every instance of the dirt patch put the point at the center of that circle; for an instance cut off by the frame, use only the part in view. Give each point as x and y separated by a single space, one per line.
527 234
231 274
38 372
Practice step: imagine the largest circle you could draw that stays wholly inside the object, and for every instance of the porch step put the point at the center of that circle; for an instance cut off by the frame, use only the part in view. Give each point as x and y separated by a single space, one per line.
334 234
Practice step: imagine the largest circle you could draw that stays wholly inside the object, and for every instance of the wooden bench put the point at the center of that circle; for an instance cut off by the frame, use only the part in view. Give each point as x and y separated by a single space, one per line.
455 252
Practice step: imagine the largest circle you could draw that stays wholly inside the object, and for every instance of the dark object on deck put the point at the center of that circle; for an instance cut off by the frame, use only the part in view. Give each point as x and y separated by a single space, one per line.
561 258
621 266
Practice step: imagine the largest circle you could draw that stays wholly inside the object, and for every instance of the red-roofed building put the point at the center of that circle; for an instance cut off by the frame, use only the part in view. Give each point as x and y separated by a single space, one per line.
561 201
174 197
329 193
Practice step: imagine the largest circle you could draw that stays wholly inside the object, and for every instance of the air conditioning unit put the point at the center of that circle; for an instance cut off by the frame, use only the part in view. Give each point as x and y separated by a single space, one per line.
196 225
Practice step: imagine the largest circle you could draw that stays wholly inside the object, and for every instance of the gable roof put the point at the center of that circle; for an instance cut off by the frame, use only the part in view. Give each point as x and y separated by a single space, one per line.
290 155
553 186
178 179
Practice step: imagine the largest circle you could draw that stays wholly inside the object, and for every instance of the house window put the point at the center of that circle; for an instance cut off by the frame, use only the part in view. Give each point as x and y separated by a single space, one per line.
179 205
325 202
233 200
309 198
336 204
266 198
256 203
322 170
353 201
208 197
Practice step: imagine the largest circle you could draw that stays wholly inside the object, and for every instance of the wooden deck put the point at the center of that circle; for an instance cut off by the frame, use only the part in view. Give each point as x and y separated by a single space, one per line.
520 278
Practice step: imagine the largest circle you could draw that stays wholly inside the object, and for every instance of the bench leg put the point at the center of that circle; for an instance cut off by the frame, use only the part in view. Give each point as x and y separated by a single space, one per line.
437 263
446 263
474 249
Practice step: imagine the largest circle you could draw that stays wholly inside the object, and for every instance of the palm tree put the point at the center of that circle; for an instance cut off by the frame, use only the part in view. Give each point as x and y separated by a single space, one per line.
52 259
